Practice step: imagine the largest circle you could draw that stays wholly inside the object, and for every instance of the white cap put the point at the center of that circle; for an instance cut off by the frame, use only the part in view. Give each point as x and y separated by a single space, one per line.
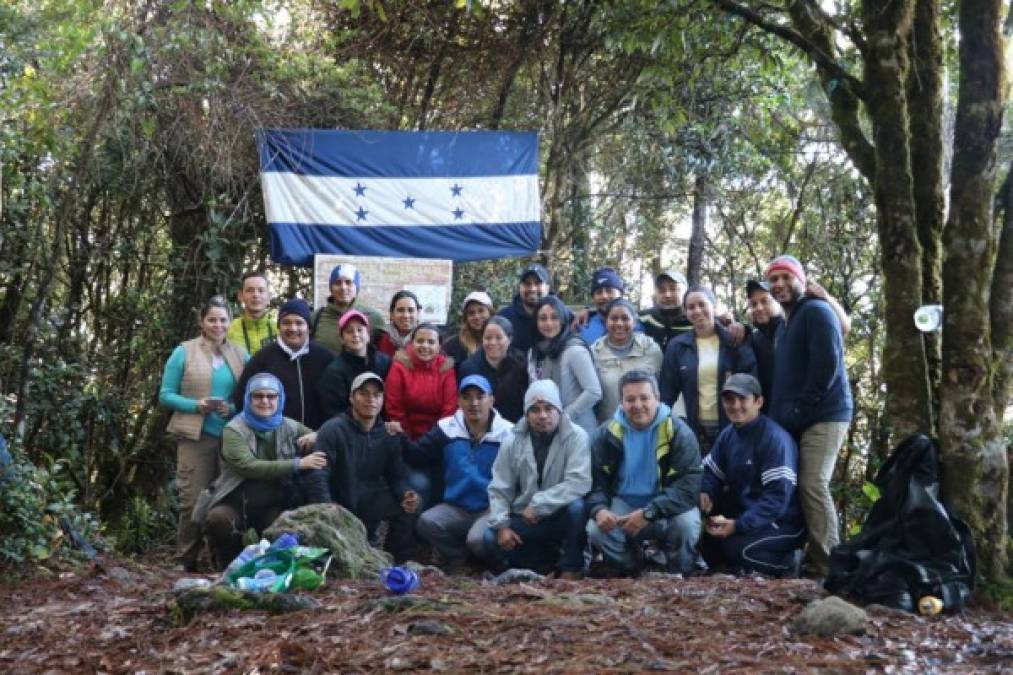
477 296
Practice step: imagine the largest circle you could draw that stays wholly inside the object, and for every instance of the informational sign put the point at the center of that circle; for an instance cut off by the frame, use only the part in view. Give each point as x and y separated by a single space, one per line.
429 279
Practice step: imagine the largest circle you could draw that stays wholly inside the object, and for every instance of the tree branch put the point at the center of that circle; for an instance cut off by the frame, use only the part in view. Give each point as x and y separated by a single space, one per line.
820 57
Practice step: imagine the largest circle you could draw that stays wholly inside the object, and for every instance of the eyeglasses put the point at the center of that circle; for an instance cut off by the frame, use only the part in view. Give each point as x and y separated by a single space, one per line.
264 397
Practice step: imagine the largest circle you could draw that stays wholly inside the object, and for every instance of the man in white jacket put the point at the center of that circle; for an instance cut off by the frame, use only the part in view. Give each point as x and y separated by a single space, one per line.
536 497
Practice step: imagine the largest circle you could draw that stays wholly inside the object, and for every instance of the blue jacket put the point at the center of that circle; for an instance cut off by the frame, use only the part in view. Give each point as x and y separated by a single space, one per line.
810 380
752 470
523 323
467 468
679 371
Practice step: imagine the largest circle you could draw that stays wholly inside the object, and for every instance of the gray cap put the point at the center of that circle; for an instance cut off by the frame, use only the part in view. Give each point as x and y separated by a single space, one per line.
743 384
671 274
363 378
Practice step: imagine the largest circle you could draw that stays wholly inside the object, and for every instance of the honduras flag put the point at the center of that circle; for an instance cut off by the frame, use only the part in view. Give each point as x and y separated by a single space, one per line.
462 195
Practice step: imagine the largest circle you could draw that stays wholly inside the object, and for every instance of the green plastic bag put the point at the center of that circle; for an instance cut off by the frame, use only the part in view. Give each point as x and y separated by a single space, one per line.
296 567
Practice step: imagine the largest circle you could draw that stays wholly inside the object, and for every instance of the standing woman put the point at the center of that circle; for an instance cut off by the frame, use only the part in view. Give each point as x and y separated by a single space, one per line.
621 350
421 387
476 310
197 383
404 316
563 357
502 365
696 365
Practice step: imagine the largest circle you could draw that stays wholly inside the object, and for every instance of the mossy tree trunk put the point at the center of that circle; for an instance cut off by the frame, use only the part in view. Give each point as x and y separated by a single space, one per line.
888 28
973 448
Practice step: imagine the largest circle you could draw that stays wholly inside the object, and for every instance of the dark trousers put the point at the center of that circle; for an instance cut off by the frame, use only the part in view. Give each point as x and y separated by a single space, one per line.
770 550
252 504
542 542
378 506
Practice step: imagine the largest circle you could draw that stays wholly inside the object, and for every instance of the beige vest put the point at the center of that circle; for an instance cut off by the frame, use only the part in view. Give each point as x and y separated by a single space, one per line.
196 382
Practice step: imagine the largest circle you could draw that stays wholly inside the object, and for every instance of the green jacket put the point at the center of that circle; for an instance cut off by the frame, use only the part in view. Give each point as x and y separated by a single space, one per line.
324 324
244 456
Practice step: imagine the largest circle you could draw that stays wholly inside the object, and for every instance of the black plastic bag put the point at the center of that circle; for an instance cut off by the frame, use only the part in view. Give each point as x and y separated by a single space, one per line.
910 545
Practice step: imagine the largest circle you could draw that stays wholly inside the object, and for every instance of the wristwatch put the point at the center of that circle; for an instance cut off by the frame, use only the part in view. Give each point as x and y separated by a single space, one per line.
650 512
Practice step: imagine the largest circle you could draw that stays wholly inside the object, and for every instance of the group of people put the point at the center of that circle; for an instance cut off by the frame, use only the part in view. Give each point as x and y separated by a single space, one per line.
599 440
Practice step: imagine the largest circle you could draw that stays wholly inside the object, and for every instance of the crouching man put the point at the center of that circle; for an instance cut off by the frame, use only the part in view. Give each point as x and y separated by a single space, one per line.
465 446
646 482
749 489
364 471
536 497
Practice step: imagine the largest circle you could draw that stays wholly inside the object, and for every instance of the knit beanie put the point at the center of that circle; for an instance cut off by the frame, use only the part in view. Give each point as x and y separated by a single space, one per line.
544 390
789 264
296 306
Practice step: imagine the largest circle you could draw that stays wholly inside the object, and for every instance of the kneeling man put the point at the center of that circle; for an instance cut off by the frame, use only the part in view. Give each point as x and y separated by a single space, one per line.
364 472
749 489
536 497
646 481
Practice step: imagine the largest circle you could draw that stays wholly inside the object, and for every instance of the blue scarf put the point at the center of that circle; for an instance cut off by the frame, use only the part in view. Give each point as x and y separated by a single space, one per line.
260 382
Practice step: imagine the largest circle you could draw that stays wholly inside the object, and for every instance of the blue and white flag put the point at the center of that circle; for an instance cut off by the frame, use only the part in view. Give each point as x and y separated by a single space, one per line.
463 195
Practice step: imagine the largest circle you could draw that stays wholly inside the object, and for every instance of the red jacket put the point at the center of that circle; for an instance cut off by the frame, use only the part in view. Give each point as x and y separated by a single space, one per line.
418 394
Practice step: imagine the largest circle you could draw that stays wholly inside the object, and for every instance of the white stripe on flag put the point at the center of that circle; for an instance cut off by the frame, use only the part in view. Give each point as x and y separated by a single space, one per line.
325 200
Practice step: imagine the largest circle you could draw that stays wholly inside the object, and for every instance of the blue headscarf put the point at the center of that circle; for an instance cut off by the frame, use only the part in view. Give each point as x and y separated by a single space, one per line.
260 382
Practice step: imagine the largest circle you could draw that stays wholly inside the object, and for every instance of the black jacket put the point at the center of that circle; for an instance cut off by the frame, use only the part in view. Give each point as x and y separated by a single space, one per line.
359 464
336 381
509 381
299 378
761 339
661 325
679 469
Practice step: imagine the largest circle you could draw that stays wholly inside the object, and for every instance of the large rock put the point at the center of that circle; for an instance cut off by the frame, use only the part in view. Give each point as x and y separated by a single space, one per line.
333 527
830 616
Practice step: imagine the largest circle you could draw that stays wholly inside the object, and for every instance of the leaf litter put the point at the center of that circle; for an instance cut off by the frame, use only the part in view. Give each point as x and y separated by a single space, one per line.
88 620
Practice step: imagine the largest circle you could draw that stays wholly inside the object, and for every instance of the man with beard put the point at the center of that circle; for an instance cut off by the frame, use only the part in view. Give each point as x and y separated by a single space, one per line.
295 360
811 398
666 319
535 284
344 284
536 503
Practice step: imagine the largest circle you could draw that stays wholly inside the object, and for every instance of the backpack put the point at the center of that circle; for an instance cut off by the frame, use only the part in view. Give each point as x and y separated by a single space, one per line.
910 545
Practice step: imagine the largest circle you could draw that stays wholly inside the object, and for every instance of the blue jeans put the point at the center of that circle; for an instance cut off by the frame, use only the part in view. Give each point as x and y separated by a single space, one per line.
542 541
428 484
676 536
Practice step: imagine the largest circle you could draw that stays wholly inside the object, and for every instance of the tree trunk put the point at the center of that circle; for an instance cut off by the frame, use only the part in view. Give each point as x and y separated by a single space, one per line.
905 369
925 105
694 260
973 449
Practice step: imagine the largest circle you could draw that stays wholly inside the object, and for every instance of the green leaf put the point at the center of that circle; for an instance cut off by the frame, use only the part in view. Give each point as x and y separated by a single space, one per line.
871 492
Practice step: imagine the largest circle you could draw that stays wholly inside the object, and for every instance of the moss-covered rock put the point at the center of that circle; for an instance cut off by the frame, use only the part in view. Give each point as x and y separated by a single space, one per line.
220 599
335 528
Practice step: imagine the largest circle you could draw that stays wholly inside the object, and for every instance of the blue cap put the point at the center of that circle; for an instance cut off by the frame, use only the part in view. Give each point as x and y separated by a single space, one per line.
475 381
606 277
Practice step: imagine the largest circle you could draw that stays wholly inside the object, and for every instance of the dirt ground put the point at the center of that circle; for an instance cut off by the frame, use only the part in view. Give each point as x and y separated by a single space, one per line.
113 617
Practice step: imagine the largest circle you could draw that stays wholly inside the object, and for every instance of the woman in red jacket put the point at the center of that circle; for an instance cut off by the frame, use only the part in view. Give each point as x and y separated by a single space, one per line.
421 387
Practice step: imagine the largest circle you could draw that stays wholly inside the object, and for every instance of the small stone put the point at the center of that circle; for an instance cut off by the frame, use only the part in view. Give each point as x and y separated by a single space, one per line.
830 616
514 576
429 627
118 573
186 583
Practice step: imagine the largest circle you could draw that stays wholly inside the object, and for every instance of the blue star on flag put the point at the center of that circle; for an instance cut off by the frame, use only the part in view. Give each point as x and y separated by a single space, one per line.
458 213
361 213
408 202
360 189
455 191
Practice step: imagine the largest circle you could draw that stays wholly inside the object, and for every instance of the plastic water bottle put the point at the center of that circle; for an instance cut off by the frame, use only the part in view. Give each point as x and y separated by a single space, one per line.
258 583
248 554
286 541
